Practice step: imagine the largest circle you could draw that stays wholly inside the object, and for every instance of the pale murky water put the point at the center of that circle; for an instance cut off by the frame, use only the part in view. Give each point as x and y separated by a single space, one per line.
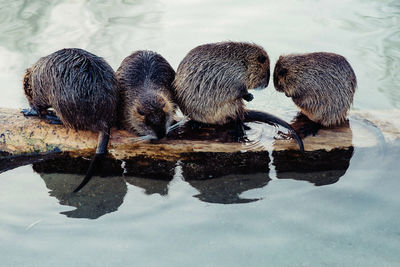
282 219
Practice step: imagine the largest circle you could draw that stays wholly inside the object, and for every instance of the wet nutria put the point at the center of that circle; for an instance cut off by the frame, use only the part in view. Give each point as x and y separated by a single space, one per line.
213 80
145 79
81 88
321 84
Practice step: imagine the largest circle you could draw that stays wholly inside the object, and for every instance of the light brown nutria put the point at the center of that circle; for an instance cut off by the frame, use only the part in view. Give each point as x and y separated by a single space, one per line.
147 108
321 84
81 88
213 80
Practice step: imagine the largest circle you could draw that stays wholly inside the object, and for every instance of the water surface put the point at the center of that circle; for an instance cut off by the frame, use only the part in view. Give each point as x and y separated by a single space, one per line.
267 217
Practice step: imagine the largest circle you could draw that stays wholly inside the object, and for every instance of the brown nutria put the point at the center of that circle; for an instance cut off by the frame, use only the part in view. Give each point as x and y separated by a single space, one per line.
81 88
321 84
213 80
145 80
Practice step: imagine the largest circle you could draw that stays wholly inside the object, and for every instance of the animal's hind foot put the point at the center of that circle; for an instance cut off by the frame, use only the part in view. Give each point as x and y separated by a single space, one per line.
195 125
53 119
28 112
239 131
309 128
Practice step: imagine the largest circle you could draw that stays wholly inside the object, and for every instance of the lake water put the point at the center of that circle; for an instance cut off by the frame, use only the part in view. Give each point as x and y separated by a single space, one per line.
265 218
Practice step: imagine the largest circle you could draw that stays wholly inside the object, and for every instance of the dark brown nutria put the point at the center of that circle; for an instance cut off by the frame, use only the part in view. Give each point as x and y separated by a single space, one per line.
321 84
81 88
213 80
147 108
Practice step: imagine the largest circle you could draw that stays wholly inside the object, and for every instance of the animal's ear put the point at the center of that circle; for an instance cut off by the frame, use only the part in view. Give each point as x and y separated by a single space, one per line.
282 72
261 59
141 112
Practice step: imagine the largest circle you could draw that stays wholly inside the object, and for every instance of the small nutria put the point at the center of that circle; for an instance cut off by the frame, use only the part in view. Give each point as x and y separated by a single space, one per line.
321 84
81 88
213 80
145 80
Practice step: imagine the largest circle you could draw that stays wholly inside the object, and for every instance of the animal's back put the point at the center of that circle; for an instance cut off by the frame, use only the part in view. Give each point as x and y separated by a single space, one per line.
321 84
210 80
81 87
143 67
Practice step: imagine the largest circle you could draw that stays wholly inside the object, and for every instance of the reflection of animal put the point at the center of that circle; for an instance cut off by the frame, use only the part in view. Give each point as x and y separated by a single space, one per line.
321 84
213 79
82 90
145 79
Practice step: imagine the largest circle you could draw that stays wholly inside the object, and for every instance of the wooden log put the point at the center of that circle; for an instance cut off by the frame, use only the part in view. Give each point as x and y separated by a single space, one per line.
21 135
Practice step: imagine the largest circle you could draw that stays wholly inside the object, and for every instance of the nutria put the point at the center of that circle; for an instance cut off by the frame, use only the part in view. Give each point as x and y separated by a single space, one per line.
321 84
81 88
213 80
145 80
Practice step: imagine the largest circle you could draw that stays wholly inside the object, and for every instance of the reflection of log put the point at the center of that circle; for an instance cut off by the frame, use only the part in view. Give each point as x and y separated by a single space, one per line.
319 167
202 166
227 189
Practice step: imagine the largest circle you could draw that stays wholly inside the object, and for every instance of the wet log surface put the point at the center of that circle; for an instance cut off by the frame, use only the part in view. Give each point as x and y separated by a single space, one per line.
21 135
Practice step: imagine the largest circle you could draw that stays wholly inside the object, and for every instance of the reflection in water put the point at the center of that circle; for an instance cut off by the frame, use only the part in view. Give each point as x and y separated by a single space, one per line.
99 197
150 186
231 173
318 167
145 167
102 195
227 189
150 174
219 177
222 177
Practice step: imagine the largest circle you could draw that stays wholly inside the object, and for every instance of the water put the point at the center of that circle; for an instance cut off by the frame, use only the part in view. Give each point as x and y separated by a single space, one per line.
287 221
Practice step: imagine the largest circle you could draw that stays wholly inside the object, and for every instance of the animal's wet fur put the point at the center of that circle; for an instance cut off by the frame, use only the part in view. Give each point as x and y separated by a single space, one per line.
147 107
212 80
81 88
321 84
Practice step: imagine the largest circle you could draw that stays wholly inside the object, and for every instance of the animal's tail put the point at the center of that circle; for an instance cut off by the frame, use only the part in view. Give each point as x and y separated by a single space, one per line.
253 115
100 152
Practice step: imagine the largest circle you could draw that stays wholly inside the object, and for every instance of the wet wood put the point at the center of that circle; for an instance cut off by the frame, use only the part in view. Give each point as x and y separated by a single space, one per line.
21 135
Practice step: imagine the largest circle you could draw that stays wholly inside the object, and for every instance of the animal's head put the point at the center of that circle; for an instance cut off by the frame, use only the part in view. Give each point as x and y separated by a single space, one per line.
153 116
27 85
286 72
258 69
